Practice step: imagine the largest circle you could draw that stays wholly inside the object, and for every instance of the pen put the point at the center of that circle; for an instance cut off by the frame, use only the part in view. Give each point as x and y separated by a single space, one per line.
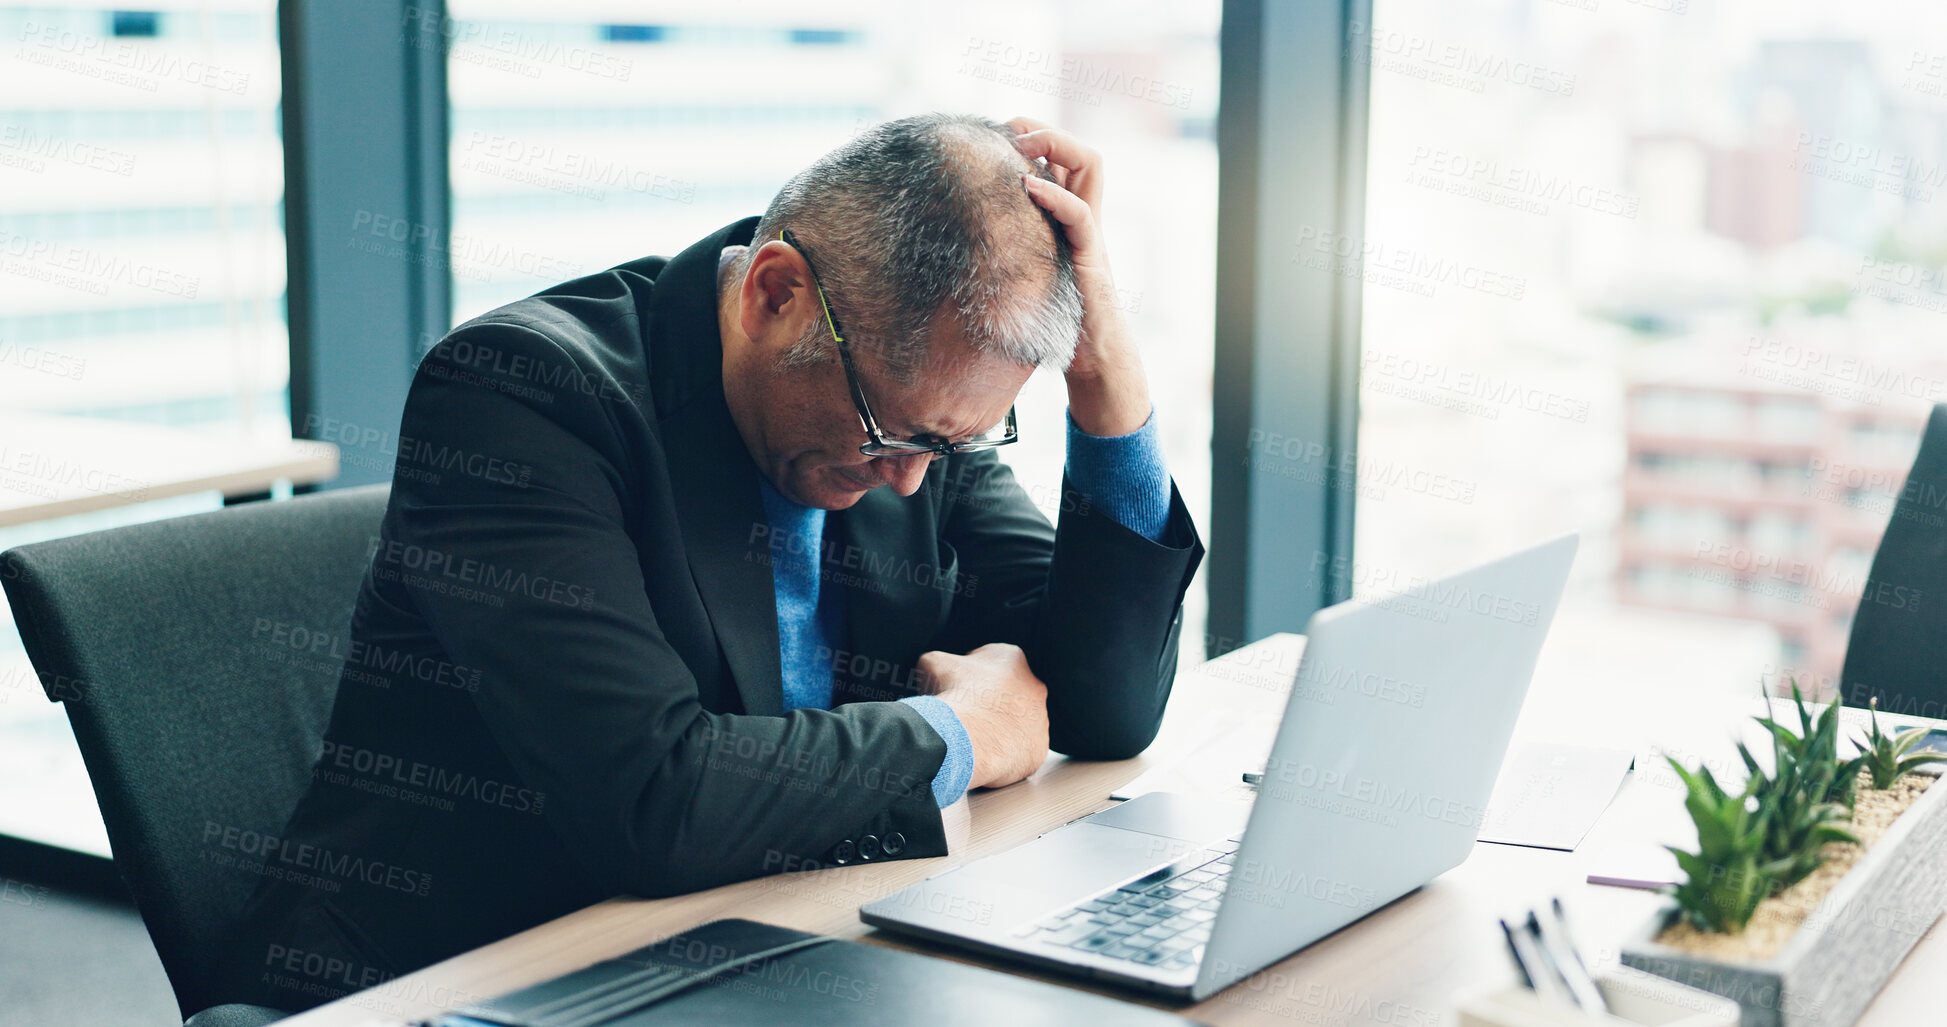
1520 964
1584 981
1550 983
1560 951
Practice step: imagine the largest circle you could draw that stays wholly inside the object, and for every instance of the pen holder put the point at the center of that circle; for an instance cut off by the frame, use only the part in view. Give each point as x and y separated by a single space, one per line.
1635 999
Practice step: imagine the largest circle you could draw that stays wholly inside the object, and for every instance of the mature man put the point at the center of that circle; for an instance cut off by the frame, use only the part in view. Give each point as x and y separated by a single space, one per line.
705 568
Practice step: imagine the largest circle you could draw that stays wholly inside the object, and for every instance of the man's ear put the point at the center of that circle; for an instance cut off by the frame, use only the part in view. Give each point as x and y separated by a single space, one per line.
776 296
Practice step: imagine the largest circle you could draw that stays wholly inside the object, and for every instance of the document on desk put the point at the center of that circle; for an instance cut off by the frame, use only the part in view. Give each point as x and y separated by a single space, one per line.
1549 794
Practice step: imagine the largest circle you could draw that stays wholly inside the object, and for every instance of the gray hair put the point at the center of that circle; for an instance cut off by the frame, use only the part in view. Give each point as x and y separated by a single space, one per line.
925 212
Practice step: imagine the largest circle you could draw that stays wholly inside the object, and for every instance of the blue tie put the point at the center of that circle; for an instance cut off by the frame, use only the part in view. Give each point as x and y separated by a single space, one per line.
805 624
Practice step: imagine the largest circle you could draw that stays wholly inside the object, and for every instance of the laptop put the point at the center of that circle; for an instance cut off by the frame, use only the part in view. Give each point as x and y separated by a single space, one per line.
1397 721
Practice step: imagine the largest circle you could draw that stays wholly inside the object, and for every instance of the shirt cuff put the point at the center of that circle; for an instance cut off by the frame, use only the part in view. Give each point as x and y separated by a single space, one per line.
1123 475
950 782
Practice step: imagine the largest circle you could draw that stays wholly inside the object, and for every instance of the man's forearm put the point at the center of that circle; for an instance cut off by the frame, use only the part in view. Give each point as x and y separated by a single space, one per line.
1124 478
1105 635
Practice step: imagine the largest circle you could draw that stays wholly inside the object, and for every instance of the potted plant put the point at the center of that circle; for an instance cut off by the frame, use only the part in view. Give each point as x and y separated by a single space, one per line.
1810 884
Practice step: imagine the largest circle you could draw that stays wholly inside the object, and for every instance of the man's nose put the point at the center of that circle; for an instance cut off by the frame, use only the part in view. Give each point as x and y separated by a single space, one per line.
903 473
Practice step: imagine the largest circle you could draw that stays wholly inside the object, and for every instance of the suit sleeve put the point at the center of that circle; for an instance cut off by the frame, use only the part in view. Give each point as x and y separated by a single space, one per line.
1096 606
536 581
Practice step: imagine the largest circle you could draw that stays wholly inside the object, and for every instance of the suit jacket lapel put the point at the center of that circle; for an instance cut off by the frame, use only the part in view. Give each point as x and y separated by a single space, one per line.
712 478
725 535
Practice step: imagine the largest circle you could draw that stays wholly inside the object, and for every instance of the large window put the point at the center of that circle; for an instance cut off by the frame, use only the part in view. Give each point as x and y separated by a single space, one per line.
140 221
1666 271
141 282
586 134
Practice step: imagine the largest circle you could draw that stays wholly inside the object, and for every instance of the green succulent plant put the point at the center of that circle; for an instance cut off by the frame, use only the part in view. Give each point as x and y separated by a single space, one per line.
1768 836
1799 820
1809 792
1815 745
1729 874
1890 757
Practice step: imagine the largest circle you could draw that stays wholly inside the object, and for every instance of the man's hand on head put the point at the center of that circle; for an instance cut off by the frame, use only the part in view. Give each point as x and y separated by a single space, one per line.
1107 391
1000 703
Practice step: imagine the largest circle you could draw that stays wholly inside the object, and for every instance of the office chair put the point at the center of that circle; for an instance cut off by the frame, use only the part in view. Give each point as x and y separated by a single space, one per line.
198 660
1898 647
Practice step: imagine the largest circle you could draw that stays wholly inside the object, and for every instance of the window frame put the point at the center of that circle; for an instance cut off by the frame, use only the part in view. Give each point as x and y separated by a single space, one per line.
1285 388
363 140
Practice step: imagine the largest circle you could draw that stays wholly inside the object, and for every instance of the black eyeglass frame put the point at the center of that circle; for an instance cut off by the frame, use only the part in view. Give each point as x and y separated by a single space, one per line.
881 445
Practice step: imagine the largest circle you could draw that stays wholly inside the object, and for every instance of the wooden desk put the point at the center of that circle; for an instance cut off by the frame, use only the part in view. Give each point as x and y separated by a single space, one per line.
1403 966
57 466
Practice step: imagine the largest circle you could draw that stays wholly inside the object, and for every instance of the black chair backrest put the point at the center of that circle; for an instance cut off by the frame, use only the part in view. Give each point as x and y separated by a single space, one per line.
1898 648
198 659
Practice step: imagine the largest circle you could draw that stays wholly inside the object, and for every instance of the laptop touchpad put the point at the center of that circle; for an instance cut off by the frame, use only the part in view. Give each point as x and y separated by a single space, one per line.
1027 882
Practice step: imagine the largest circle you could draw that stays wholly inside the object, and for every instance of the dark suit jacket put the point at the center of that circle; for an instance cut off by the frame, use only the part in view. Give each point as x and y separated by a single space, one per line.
562 678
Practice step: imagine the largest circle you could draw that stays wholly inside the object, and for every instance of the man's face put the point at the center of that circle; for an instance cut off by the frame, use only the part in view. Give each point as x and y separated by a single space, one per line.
799 423
808 431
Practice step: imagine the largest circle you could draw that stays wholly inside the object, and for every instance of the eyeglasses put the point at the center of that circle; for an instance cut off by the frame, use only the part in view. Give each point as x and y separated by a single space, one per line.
882 445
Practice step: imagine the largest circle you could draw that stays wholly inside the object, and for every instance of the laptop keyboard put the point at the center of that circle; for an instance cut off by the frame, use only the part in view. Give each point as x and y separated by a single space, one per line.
1161 919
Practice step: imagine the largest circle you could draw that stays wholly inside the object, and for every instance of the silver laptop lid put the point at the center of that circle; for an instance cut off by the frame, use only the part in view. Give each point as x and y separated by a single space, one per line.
1395 728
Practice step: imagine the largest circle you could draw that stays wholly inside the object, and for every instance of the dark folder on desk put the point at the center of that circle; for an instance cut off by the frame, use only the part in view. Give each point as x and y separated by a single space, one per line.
741 972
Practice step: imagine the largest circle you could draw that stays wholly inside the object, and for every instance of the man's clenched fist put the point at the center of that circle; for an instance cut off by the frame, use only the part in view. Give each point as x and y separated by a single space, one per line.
1000 702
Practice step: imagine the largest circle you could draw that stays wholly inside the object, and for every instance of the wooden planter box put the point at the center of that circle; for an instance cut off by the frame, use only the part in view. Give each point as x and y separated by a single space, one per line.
1839 959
